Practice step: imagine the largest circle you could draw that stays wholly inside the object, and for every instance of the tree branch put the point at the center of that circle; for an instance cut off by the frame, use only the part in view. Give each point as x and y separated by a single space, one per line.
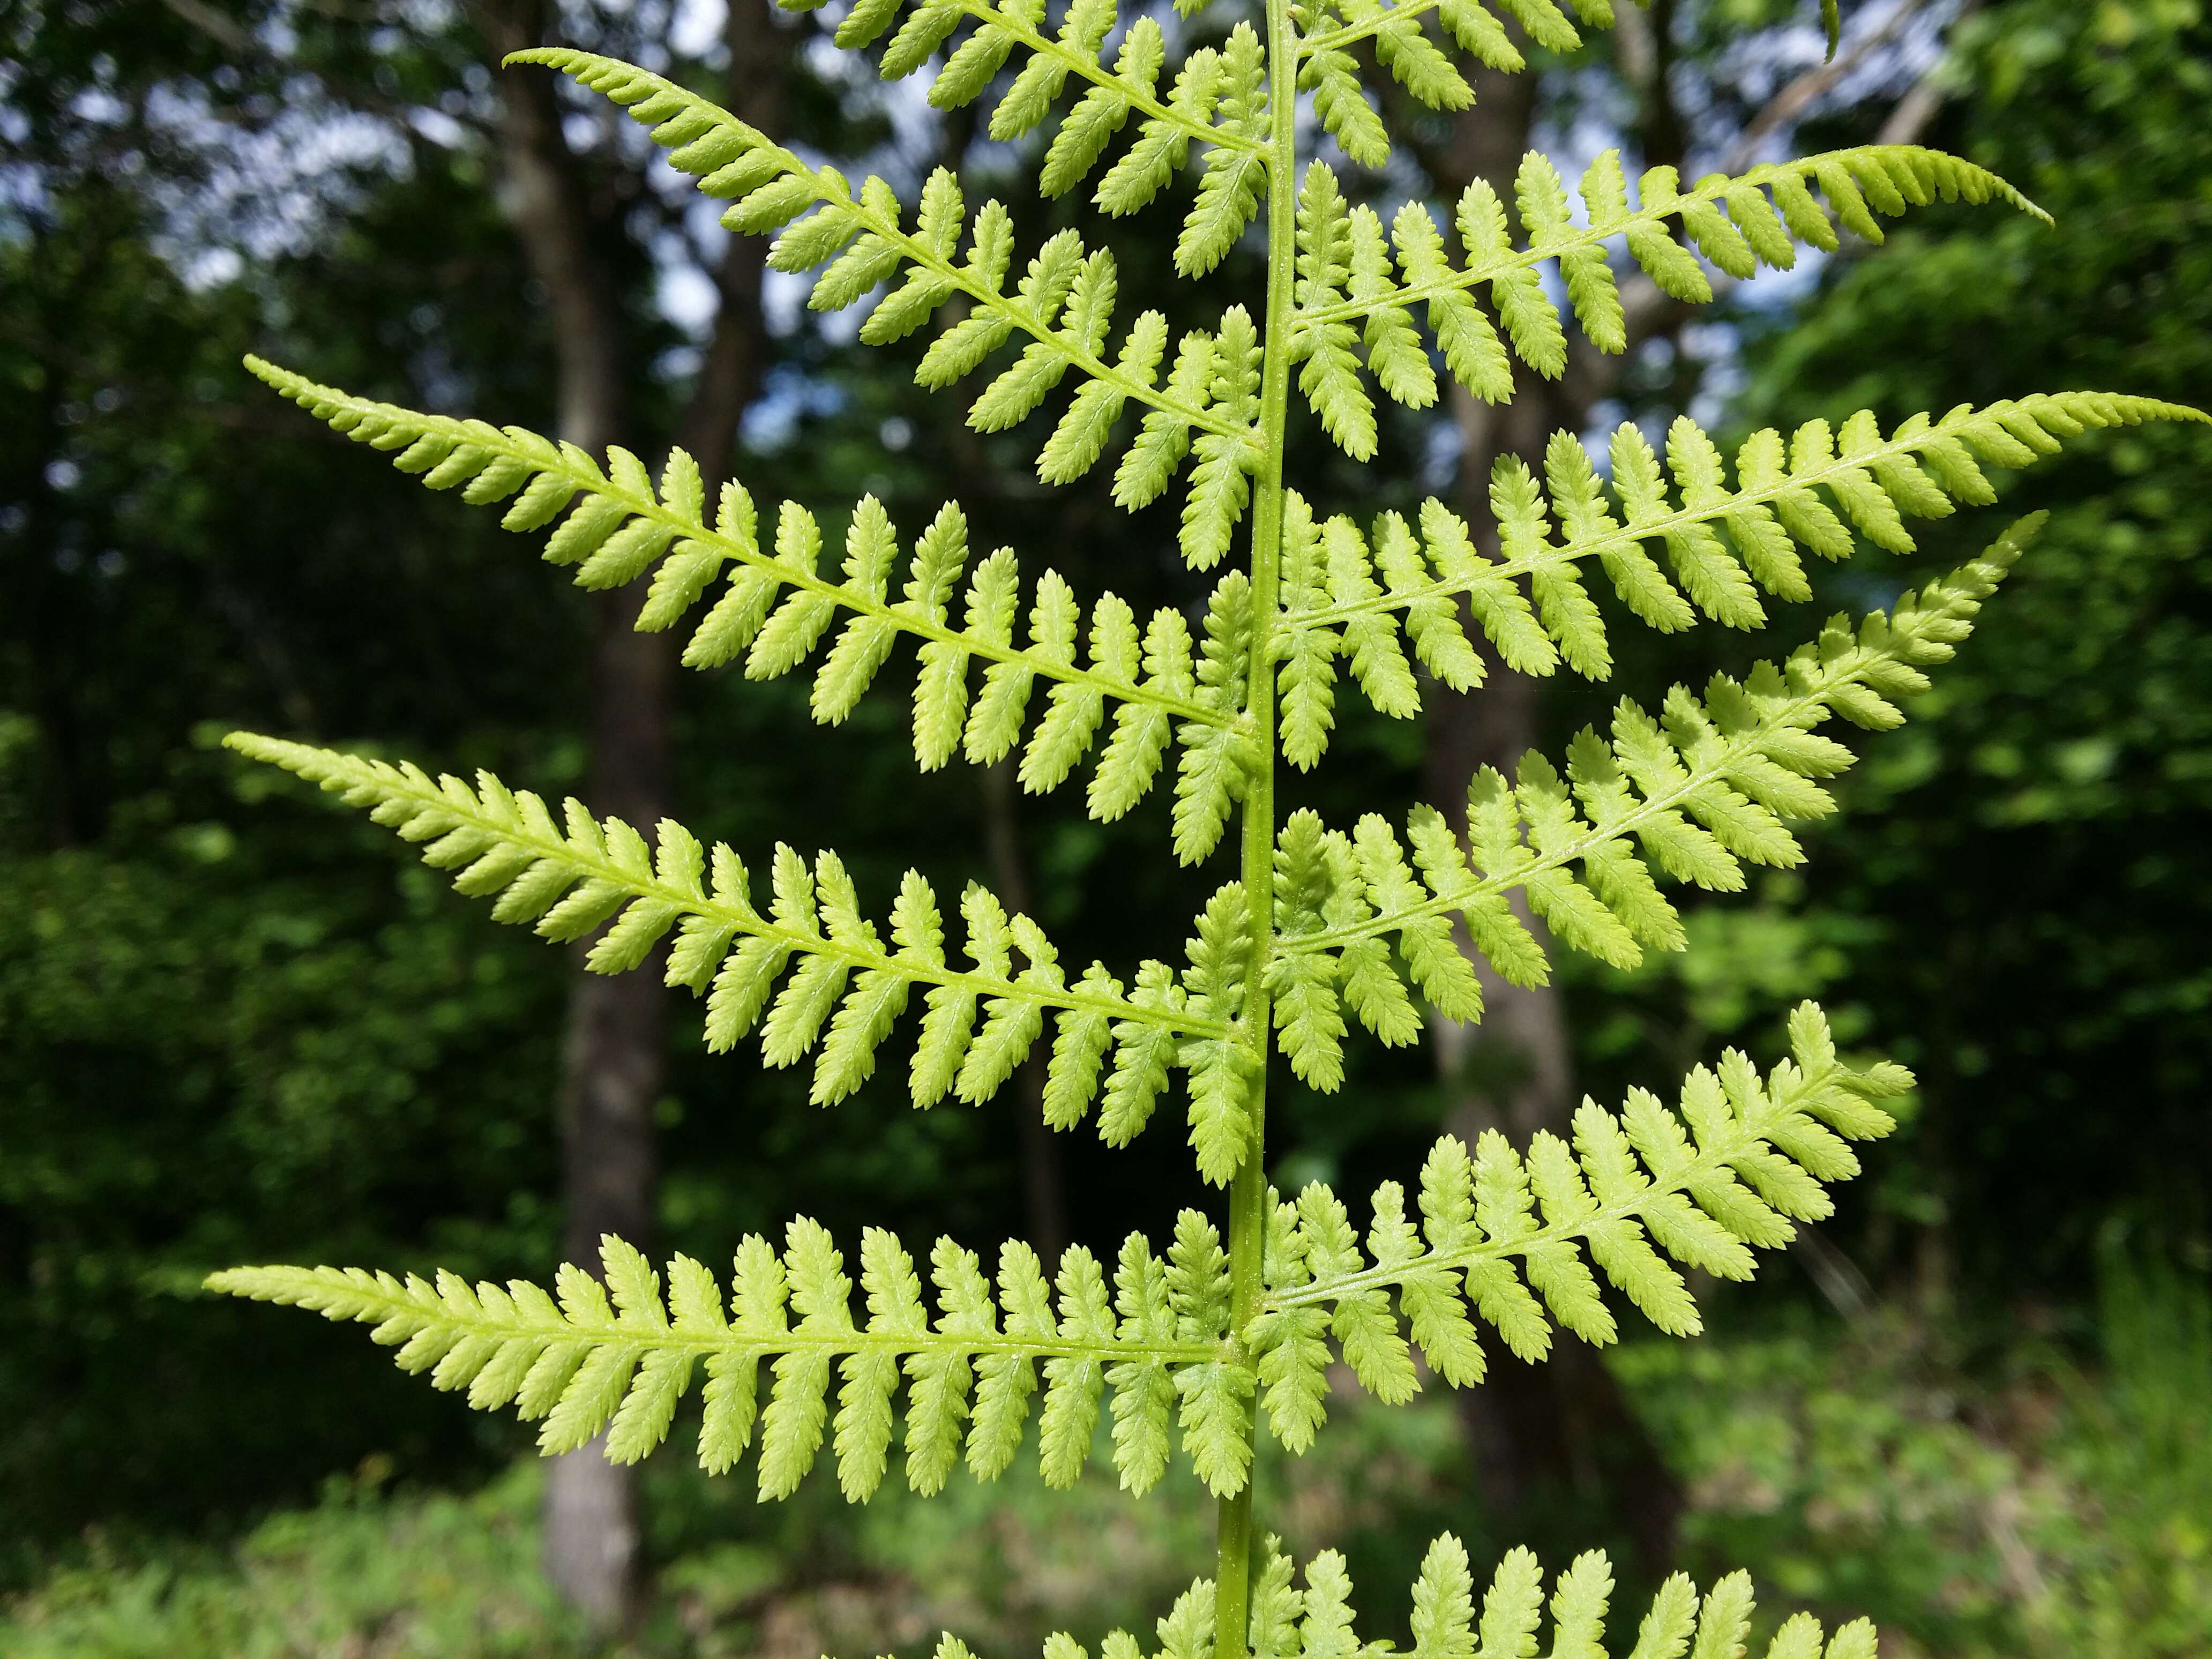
1919 105
1787 105
543 197
244 46
735 358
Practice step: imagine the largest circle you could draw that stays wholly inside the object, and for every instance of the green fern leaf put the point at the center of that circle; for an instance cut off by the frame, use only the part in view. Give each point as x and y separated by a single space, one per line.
776 638
1317 1622
620 1359
1320 927
1529 1238
1731 221
847 991
1694 796
1229 190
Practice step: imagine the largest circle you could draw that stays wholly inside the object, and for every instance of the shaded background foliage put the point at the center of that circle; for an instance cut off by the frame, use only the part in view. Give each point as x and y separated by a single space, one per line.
235 1026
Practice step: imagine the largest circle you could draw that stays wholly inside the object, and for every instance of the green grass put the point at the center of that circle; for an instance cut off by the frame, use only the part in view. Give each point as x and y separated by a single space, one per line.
372 1573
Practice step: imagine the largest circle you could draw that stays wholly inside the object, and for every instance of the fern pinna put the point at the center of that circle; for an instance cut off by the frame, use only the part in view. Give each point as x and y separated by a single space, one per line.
1193 1348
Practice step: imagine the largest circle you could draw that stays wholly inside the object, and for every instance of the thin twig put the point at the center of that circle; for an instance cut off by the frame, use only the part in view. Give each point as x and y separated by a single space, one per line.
1793 100
1919 105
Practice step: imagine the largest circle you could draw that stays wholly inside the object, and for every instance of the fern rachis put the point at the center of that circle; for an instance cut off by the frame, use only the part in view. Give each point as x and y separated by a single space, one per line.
1195 1348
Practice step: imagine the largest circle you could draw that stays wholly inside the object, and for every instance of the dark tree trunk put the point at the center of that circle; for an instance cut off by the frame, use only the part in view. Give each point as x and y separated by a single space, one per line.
1044 1189
612 1071
614 1062
1560 1429
1565 1427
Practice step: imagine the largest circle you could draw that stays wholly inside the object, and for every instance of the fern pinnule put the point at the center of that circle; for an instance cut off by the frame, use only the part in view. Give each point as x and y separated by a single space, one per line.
580 1365
1509 1622
1402 46
776 607
1505 1236
570 877
1360 285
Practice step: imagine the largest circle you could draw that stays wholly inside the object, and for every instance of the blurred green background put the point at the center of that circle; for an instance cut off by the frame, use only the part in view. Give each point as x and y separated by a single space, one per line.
237 1026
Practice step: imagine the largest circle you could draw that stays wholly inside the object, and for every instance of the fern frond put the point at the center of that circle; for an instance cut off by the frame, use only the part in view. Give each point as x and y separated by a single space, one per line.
1475 29
1708 785
777 606
1315 1621
1322 928
1208 997
1512 1238
1062 303
996 33
578 1365
1230 189
1347 595
846 988
1360 287
1416 60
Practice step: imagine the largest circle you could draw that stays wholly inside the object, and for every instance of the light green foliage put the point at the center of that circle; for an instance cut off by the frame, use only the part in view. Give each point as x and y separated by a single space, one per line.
1360 284
1316 928
1350 595
1710 783
774 606
845 986
1511 1239
1513 1619
617 1357
1060 306
363 1571
1865 1471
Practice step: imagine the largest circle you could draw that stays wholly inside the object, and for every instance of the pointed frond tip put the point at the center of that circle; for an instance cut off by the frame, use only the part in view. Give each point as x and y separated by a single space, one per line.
1822 489
1360 285
617 1355
1421 64
1709 784
572 876
1062 304
1504 1234
775 606
970 42
1510 1621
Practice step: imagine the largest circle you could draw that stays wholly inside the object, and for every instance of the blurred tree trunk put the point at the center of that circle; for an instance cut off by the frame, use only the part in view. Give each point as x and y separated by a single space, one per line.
1565 1424
1563 1427
62 631
614 1060
1044 1181
1044 1188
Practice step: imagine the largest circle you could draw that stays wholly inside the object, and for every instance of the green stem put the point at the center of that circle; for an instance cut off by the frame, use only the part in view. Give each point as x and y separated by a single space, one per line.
1247 1189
